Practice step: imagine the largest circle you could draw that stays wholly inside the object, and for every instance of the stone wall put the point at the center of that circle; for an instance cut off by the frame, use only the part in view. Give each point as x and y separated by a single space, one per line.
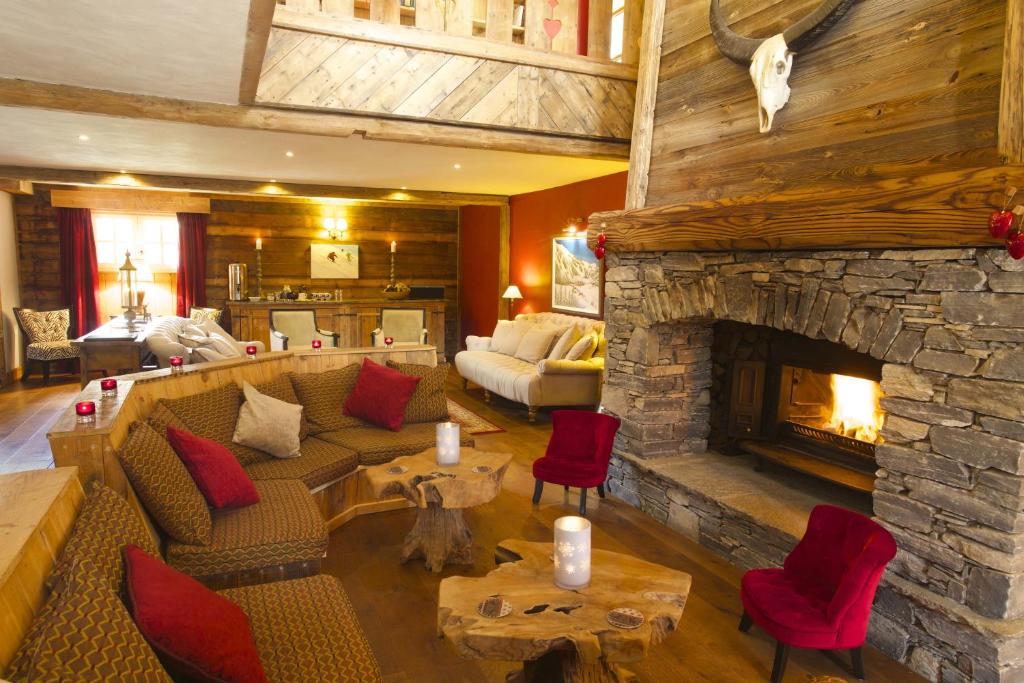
949 326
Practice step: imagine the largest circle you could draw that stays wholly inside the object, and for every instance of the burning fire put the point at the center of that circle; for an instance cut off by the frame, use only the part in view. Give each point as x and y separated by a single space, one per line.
855 408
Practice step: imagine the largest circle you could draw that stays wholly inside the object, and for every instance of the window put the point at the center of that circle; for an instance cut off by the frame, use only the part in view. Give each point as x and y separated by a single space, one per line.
618 26
151 239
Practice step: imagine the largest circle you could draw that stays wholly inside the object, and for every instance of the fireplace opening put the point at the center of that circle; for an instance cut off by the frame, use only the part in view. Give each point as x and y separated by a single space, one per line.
808 405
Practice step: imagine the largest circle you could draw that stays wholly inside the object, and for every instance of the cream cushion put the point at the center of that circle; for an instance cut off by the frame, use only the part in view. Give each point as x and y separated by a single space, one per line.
536 343
268 424
583 349
508 334
565 342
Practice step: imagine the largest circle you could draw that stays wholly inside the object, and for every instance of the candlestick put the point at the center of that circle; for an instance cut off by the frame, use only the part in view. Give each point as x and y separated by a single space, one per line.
259 267
250 351
86 412
108 385
447 443
572 552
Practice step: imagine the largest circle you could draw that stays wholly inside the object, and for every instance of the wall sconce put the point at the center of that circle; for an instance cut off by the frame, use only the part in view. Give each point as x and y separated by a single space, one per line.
576 226
336 228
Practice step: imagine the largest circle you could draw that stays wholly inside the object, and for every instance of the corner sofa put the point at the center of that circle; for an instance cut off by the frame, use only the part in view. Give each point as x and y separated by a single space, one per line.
546 382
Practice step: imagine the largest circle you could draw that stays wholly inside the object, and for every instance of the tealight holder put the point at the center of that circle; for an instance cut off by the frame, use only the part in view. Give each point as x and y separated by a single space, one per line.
317 344
572 552
108 387
389 342
85 412
250 351
177 363
447 443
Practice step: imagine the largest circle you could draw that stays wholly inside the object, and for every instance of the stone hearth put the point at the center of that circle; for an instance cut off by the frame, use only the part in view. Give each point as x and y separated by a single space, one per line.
949 326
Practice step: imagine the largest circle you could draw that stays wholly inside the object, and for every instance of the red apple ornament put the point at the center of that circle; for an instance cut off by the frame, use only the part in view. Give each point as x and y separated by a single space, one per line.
999 223
601 239
599 252
1015 244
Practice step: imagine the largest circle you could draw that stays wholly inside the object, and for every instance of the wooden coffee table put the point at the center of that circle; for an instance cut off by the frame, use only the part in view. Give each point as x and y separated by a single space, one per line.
440 535
562 635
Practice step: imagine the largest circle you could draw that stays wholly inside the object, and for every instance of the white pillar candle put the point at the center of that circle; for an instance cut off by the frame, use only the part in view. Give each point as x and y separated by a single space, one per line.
448 443
572 552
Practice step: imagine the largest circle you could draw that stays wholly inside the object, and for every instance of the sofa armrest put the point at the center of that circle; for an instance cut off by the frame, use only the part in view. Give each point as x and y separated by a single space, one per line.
475 343
594 366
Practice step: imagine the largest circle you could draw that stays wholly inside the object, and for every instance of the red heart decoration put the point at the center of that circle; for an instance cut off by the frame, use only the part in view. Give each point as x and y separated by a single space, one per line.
552 27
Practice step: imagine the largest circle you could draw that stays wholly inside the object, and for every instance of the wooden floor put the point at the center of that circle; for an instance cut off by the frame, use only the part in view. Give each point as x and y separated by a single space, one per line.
397 603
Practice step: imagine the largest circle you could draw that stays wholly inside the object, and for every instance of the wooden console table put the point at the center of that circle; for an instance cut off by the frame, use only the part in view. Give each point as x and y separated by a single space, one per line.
352 320
111 349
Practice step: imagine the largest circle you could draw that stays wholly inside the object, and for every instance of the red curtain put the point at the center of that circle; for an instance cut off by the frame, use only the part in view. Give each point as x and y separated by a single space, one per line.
191 261
79 282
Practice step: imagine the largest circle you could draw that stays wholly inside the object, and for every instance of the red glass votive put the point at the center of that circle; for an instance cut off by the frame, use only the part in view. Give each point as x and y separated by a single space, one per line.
176 363
86 412
317 344
250 351
109 387
388 341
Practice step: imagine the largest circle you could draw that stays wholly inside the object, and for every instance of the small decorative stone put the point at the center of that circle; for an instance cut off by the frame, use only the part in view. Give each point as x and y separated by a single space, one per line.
494 607
624 617
397 469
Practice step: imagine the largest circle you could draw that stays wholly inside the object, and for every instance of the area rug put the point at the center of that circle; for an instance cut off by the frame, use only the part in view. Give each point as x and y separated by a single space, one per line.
470 421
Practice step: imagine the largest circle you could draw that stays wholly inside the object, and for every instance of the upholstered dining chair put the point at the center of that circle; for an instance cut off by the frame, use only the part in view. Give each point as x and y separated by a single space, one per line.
821 597
405 325
577 454
296 329
44 338
198 314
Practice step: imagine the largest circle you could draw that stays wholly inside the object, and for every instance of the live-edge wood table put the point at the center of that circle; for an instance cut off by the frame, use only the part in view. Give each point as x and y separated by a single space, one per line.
112 348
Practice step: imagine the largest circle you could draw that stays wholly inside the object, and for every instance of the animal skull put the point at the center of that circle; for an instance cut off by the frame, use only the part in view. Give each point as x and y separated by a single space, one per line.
769 69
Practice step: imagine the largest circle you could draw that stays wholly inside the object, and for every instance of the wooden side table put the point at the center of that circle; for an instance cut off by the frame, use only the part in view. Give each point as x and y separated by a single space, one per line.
562 635
440 535
111 349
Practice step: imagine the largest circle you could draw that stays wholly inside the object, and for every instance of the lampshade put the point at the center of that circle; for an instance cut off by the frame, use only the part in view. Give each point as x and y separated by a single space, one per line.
512 293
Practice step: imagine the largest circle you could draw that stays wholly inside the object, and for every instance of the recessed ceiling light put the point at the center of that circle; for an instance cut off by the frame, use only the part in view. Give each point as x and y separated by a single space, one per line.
273 180
83 137
122 171
457 166
289 153
404 187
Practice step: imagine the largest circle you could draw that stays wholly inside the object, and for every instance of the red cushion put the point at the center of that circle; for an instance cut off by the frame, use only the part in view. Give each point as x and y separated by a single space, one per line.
380 395
215 470
195 632
569 473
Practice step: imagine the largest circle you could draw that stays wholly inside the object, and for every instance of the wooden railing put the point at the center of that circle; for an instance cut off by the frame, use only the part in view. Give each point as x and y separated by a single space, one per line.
532 23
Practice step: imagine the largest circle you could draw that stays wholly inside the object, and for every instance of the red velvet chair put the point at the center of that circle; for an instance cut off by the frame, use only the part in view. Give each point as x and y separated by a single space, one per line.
821 598
578 453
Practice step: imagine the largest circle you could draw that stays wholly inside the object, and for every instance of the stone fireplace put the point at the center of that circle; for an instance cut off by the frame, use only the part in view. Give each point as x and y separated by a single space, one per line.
942 329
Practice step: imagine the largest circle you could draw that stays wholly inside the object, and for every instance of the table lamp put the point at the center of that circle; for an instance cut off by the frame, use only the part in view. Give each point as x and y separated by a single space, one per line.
511 293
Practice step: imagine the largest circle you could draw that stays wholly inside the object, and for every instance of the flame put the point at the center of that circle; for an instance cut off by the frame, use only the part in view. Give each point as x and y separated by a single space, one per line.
855 408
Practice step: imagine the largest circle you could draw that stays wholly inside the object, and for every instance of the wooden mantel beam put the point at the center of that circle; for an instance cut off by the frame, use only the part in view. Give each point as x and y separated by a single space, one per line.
18 93
938 210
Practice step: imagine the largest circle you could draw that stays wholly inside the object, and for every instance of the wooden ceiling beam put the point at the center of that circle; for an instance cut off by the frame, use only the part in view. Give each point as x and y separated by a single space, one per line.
15 186
19 93
257 33
141 181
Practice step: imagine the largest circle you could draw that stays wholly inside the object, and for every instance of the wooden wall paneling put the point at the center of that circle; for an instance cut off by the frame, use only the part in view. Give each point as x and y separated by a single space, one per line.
38 250
1011 101
534 35
499 20
341 9
458 17
599 28
646 98
565 12
386 11
632 30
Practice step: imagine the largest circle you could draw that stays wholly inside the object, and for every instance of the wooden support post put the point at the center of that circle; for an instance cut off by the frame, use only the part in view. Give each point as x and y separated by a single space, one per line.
458 18
261 16
632 30
343 9
504 228
386 11
430 15
1011 99
646 97
599 29
535 36
565 41
499 20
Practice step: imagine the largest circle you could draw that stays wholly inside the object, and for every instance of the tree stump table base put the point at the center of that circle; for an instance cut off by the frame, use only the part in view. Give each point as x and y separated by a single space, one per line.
439 536
566 666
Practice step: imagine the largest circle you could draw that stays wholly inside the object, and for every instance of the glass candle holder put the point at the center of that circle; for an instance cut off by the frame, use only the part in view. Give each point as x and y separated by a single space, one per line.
177 363
85 412
389 341
317 344
572 552
447 443
108 387
250 351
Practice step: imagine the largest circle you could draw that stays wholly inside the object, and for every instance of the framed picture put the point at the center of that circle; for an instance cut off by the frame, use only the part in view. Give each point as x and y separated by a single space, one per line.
576 277
333 261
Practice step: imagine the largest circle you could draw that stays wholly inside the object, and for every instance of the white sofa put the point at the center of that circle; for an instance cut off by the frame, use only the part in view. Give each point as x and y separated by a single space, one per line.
548 382
164 339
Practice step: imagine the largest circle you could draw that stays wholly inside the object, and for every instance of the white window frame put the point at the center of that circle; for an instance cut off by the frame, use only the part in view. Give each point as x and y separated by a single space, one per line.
615 50
152 255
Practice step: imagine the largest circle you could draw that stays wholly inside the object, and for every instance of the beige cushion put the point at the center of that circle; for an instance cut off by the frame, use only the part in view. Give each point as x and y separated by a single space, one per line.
268 424
508 334
582 349
565 342
536 343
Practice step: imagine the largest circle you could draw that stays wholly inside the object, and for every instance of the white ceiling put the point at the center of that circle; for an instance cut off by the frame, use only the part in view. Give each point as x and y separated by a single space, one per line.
188 49
49 139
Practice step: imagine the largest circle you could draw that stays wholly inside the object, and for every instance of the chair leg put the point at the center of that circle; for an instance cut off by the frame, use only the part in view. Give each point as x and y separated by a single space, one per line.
538 489
487 396
745 622
600 490
531 413
46 373
857 660
27 370
779 667
465 384
583 502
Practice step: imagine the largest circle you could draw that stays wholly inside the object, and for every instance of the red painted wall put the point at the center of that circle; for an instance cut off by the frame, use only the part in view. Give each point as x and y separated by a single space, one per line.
537 217
478 267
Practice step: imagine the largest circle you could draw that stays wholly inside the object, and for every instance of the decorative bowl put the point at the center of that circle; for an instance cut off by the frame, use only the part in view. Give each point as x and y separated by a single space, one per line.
254 299
395 295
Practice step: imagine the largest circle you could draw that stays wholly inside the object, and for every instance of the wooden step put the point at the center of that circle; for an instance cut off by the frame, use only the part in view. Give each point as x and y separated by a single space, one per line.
808 464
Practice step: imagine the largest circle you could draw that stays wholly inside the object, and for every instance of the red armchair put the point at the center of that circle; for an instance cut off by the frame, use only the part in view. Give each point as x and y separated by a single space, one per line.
821 598
578 453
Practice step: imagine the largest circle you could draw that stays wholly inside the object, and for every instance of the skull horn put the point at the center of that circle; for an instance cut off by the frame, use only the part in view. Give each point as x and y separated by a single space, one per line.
801 34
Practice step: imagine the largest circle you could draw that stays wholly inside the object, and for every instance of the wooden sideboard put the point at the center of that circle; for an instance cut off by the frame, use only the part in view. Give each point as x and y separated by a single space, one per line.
352 320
